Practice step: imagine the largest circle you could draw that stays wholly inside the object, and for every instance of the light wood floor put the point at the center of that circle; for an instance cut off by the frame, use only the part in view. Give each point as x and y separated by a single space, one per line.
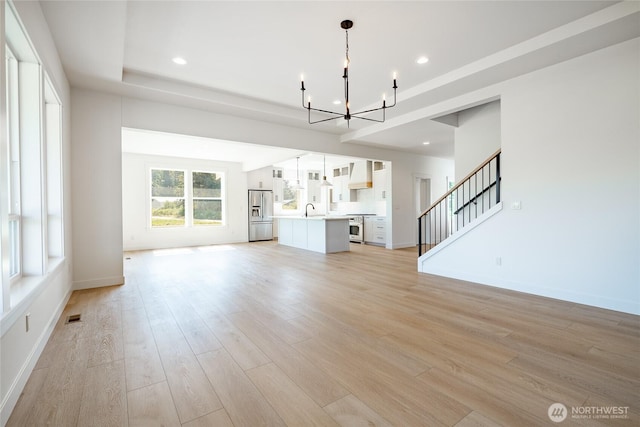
262 334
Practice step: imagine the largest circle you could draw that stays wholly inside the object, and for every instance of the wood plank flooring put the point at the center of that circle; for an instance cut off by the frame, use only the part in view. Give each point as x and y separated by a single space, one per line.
261 334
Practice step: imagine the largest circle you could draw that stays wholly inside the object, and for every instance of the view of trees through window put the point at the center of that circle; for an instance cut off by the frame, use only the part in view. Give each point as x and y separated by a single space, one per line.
170 200
167 198
290 191
207 198
289 195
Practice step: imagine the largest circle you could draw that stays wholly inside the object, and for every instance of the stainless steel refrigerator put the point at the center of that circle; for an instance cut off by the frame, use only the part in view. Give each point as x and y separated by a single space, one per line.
260 215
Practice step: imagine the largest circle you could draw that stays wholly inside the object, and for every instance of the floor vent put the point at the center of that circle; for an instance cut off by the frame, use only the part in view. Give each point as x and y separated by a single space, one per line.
74 318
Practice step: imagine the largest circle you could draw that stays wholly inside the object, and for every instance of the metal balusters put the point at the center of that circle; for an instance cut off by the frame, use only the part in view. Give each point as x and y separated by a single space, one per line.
437 222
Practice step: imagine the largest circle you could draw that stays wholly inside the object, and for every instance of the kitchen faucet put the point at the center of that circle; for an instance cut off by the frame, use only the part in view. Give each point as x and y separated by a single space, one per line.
306 212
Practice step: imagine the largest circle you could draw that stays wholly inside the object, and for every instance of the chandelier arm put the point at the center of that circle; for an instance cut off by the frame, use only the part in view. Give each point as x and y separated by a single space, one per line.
324 111
370 111
368 119
323 120
394 95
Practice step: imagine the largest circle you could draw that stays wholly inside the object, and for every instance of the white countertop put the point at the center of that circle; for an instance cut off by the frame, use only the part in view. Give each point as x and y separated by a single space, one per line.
314 217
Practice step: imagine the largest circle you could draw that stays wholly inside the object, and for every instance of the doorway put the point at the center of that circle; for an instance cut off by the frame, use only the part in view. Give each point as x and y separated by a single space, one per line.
422 188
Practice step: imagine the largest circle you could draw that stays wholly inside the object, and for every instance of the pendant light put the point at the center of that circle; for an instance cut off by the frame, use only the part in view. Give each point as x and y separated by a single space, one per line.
324 182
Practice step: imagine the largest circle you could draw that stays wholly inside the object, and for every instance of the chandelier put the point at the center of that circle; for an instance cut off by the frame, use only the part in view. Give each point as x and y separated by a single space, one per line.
347 114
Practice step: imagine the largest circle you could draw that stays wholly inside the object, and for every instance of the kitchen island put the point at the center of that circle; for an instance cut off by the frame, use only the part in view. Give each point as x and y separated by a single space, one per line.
325 234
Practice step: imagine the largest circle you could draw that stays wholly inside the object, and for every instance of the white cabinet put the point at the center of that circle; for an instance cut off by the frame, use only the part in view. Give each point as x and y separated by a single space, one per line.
325 235
340 190
278 185
313 186
380 190
375 230
260 179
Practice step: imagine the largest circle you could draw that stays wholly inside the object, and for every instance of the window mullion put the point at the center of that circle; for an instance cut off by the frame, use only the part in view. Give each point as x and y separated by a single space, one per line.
188 198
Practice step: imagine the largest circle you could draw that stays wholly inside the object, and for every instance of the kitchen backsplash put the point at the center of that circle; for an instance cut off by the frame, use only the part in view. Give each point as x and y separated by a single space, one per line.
366 204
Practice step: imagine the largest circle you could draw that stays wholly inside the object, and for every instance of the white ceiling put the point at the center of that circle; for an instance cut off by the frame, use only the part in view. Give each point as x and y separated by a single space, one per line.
245 57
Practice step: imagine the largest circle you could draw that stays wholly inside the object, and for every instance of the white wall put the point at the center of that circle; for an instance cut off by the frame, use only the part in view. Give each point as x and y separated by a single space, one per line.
477 137
137 232
19 350
571 156
402 203
97 194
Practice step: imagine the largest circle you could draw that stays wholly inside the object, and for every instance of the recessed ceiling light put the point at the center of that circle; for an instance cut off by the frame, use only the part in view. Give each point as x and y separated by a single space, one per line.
180 61
422 60
337 102
426 143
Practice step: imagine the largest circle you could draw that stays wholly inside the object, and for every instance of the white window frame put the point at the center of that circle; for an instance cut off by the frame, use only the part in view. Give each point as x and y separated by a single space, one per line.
24 180
222 198
13 145
290 179
188 197
183 198
55 166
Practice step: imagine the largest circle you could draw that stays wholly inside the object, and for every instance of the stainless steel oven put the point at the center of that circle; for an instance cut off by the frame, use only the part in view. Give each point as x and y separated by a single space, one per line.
356 229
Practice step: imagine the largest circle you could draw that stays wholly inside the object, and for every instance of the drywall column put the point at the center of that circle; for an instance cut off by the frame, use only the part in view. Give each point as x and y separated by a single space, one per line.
96 159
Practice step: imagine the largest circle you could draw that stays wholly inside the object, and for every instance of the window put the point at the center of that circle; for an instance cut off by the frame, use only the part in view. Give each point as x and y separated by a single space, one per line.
54 182
31 171
182 198
290 192
167 198
207 198
13 144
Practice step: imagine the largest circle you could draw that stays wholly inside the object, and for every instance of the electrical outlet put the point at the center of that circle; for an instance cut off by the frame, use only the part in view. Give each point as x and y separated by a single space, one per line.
516 205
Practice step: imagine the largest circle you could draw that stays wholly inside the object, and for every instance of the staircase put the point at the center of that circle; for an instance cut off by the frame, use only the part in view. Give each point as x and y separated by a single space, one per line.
462 206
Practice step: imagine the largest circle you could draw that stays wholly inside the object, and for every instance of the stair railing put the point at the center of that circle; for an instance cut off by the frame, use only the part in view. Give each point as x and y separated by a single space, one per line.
475 194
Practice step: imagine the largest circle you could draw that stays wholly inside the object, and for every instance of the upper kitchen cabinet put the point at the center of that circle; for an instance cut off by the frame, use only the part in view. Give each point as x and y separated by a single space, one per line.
278 185
260 179
380 187
313 186
340 190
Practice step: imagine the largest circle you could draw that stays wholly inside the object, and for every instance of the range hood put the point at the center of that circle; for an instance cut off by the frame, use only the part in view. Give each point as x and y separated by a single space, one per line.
361 175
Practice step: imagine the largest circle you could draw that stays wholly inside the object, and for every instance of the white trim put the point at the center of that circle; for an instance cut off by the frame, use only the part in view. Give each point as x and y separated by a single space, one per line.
401 245
98 283
30 288
449 240
17 387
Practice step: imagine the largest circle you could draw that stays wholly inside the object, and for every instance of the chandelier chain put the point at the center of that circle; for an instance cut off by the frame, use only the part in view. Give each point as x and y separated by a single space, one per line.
347 49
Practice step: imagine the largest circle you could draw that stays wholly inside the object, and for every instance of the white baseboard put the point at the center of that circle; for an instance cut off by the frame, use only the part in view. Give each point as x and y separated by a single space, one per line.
25 372
98 283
